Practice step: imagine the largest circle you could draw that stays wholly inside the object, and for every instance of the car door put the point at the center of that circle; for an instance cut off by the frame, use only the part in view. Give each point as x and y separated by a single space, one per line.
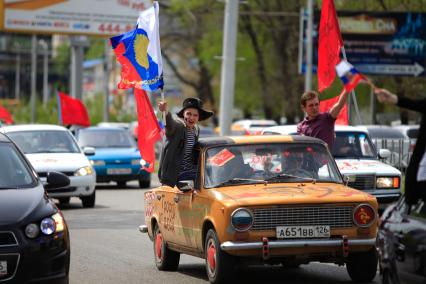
166 212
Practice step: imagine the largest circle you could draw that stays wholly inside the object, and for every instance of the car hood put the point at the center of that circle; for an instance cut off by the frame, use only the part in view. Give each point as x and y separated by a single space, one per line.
114 153
62 162
350 166
24 204
291 193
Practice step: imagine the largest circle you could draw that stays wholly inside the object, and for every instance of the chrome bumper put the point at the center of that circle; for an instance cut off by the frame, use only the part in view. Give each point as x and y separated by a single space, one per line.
143 228
226 246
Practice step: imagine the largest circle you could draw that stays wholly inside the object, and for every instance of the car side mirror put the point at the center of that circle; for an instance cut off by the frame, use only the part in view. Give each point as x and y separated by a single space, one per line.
384 153
185 185
89 151
56 180
348 178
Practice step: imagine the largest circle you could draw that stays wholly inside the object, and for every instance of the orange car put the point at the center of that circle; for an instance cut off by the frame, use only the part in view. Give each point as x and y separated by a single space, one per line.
269 199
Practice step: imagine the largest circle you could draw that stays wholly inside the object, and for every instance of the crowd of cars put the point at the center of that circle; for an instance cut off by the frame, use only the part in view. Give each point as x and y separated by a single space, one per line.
275 198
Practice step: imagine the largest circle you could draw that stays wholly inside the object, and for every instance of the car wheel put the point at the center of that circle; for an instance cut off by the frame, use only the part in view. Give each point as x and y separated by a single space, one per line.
89 201
219 264
64 200
144 183
121 183
362 266
165 258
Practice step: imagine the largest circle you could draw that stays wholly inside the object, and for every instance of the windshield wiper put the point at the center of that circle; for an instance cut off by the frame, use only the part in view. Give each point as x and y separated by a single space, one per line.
287 176
240 180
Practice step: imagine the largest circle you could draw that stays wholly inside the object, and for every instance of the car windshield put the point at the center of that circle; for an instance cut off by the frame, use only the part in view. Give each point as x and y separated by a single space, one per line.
44 141
259 163
105 138
353 145
14 173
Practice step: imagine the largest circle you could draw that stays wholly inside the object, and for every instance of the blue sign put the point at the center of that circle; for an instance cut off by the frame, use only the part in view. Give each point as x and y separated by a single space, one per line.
381 43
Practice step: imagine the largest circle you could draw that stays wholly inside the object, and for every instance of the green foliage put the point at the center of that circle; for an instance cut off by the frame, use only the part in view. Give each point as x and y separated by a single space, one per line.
96 49
62 61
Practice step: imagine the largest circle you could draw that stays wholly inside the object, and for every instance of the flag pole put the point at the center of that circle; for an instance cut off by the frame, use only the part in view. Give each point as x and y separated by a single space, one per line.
163 114
352 92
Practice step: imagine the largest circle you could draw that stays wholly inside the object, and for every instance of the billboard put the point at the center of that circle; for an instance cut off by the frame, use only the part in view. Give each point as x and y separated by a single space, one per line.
89 17
391 43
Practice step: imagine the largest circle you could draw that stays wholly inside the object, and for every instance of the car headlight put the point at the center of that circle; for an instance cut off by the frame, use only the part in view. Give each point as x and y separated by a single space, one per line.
364 215
241 219
97 162
48 226
53 224
136 162
387 182
84 171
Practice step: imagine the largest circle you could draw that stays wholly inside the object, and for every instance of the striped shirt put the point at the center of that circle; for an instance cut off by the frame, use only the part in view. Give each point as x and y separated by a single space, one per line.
187 161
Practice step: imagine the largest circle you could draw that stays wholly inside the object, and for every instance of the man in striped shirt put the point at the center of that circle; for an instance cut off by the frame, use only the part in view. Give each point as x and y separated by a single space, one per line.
177 159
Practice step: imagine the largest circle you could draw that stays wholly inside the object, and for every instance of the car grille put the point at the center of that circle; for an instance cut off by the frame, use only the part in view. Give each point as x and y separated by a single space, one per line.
7 239
44 174
270 218
62 189
363 182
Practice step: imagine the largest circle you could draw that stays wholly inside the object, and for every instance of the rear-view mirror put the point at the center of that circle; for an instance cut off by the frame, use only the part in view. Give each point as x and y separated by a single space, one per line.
56 180
185 185
384 153
89 151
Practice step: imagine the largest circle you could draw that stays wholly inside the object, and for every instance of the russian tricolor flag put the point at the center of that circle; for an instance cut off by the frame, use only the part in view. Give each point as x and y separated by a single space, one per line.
349 75
139 53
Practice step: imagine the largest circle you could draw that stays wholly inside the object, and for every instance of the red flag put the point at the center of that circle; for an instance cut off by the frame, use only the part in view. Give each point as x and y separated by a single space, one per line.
72 111
330 42
5 116
342 118
148 129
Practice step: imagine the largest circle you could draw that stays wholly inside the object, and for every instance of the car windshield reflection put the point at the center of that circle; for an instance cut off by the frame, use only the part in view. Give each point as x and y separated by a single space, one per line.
105 138
14 173
353 145
259 163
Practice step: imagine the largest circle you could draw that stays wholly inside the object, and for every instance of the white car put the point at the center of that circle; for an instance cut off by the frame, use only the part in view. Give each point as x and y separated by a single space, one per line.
54 148
254 126
359 162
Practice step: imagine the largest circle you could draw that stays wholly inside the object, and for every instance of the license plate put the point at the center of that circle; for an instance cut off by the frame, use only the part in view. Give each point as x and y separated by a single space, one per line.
3 268
121 171
300 232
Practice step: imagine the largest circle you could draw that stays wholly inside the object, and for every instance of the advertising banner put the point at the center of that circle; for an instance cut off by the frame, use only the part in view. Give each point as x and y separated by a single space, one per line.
88 17
381 43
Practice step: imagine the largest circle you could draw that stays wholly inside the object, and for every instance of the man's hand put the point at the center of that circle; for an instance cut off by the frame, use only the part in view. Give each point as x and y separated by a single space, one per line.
384 96
162 106
337 107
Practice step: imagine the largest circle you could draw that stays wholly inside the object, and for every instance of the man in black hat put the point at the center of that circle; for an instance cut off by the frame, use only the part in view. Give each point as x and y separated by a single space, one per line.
177 159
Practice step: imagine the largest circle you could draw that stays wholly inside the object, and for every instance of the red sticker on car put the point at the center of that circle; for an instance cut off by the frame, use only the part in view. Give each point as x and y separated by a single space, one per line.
221 158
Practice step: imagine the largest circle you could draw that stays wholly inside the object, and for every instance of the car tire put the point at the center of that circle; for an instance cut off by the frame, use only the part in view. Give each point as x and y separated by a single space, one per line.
144 183
64 200
165 258
89 201
219 264
121 183
362 266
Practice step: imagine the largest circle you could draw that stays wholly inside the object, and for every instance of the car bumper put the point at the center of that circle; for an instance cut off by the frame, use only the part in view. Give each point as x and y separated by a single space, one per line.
279 244
134 173
45 258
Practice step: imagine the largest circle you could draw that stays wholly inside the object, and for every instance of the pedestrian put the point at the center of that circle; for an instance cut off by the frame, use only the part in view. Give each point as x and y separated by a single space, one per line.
177 158
415 178
320 124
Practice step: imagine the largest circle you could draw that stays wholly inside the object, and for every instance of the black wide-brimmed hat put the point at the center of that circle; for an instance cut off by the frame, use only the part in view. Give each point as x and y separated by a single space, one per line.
197 104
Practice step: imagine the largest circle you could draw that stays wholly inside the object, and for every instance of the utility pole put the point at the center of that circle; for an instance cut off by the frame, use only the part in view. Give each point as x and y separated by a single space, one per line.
227 81
33 76
45 47
308 71
78 43
107 71
18 76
